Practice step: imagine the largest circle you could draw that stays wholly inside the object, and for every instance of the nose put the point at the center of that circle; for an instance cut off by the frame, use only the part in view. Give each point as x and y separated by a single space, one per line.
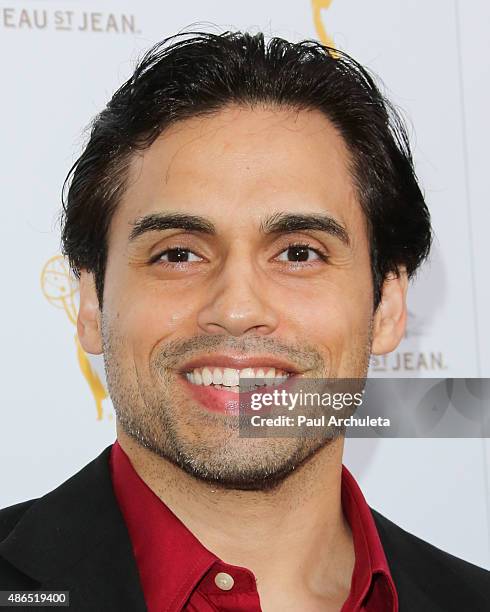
238 303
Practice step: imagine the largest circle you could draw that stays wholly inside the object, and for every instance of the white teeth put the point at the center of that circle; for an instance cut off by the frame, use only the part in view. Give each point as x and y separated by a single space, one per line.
247 373
207 377
230 377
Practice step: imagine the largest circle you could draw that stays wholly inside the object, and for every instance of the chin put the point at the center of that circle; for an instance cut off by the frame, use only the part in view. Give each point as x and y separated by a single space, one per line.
234 471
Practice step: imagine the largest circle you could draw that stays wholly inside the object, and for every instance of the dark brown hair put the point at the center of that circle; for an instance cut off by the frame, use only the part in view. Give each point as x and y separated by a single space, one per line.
197 73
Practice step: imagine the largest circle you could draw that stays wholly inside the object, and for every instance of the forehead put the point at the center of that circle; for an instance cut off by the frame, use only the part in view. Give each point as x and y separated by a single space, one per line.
241 163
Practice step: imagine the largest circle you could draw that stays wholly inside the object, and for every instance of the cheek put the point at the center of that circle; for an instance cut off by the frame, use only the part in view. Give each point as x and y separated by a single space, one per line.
333 315
147 315
330 315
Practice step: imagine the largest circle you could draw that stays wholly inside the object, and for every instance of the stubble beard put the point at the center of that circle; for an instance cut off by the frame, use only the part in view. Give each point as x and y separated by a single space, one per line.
205 445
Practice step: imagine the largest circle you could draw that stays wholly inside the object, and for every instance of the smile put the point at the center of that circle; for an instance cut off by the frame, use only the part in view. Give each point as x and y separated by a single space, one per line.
229 378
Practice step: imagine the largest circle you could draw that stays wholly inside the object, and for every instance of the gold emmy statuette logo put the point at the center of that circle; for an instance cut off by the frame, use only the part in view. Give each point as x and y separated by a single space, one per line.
60 288
317 6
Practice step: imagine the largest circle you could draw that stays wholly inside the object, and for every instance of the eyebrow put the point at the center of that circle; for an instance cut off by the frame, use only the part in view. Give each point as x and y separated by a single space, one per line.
287 222
160 222
278 223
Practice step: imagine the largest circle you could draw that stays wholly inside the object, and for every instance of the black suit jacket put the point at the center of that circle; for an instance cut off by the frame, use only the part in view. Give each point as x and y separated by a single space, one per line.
75 539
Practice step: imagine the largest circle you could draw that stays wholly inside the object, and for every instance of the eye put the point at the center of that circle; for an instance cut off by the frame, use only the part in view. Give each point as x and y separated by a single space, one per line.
176 255
297 253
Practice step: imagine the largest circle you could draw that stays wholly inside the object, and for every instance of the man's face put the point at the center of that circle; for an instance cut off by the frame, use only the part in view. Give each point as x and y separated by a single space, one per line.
228 286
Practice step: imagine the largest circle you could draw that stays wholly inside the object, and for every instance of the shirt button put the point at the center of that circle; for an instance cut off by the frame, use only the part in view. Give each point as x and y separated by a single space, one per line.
224 581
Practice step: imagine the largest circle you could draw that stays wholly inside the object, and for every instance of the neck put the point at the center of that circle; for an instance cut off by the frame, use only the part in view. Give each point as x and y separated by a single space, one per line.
293 534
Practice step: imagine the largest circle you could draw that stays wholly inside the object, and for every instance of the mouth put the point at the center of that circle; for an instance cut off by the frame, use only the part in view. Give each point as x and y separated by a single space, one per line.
222 384
229 378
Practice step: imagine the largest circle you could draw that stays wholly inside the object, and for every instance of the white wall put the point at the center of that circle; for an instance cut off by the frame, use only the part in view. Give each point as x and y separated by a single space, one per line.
433 59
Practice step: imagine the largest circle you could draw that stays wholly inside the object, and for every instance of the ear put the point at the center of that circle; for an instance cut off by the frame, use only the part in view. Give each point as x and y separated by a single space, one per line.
390 317
89 316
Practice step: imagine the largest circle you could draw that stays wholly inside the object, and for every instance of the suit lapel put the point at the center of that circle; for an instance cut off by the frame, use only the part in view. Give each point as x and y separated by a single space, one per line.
75 539
403 567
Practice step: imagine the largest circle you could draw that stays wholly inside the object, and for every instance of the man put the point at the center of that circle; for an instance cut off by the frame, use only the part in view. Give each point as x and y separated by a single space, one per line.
242 209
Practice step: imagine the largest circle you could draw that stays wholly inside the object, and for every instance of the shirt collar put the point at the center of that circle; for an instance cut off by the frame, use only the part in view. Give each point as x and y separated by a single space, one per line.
171 559
371 576
166 552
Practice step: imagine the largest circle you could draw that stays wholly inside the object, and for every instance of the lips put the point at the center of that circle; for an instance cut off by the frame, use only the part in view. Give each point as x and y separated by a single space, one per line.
240 362
214 381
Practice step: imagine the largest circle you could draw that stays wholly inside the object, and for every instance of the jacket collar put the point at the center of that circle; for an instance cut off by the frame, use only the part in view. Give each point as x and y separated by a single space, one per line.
74 538
413 581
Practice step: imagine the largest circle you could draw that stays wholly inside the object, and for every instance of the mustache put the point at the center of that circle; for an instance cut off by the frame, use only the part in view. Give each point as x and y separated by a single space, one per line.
173 353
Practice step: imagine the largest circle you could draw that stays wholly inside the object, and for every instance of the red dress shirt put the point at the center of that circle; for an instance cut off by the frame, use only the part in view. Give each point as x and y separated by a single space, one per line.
177 572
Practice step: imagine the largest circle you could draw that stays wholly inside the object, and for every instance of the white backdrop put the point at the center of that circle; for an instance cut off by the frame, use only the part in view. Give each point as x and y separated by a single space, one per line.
61 62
